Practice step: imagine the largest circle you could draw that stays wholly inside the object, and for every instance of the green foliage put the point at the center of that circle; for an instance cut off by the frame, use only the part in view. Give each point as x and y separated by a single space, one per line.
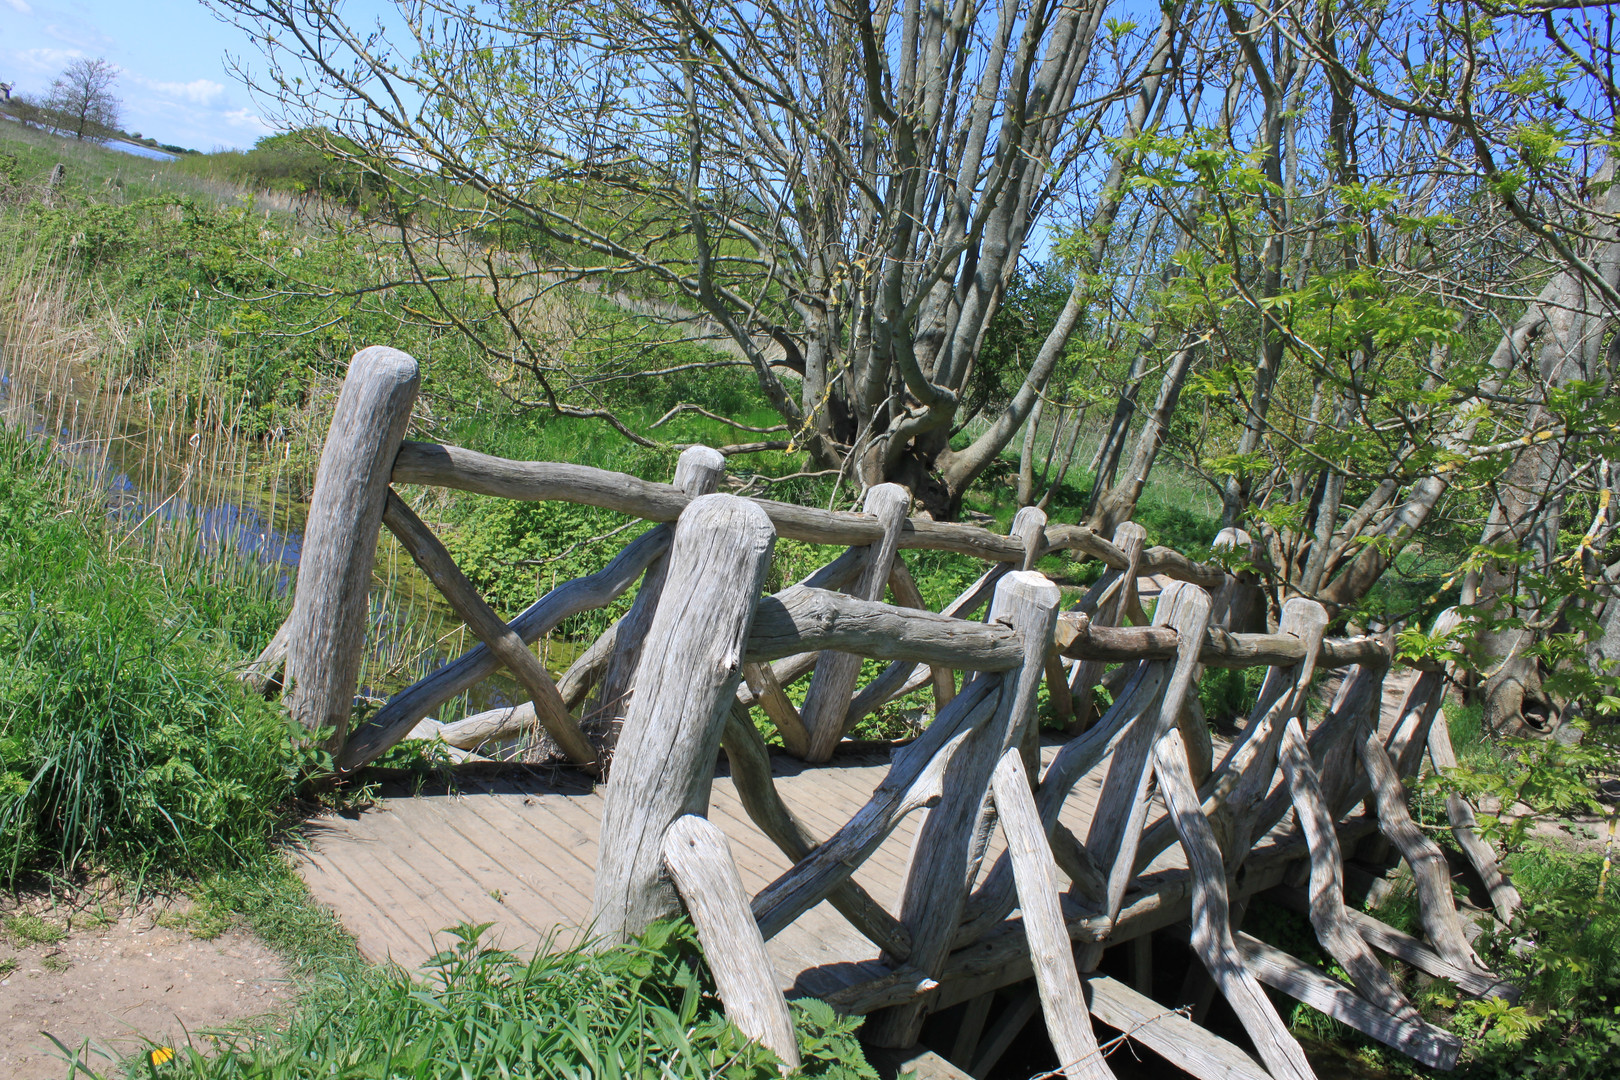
644 1009
120 738
310 161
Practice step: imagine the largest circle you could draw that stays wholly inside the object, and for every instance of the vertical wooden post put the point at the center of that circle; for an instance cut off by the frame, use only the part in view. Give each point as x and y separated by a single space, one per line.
685 683
826 703
1083 680
697 473
937 879
327 628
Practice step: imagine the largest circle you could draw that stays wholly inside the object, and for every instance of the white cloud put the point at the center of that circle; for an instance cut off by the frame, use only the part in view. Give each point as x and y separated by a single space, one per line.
246 118
197 91
20 7
48 59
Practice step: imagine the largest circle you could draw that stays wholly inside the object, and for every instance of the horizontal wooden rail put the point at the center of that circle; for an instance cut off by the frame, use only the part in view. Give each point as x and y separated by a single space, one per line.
1078 639
805 620
440 465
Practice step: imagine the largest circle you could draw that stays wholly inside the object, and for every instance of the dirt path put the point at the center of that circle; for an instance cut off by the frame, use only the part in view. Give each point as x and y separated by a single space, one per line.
112 980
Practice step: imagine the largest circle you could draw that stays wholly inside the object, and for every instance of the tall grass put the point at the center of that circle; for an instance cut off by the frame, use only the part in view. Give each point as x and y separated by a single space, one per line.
120 740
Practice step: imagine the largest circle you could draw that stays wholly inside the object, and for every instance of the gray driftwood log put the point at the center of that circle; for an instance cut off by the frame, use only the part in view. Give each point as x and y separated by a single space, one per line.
697 472
699 861
827 701
943 853
401 712
685 685
1063 1002
327 633
481 619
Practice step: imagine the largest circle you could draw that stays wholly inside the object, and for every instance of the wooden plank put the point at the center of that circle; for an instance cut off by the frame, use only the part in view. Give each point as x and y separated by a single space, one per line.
700 862
378 935
502 829
1185 1045
1417 1040
1063 1002
327 626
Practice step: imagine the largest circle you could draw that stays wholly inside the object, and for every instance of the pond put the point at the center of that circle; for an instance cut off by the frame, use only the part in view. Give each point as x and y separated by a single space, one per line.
139 151
236 504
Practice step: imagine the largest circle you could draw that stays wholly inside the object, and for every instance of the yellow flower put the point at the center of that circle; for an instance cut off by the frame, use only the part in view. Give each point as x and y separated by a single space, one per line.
162 1054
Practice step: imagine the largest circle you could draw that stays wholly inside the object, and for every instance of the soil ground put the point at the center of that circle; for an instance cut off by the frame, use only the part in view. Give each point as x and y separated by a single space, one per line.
110 975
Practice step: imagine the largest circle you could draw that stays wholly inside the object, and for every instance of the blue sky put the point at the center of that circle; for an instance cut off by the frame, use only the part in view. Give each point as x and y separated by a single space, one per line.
174 83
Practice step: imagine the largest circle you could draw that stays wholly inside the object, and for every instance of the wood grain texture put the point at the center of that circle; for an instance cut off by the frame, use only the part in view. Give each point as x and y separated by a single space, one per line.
697 472
699 861
1078 638
685 687
1063 1001
467 470
1327 911
1430 872
1409 1034
826 702
903 675
943 854
1211 914
327 626
1122 806
430 555
401 712
807 620
1193 1050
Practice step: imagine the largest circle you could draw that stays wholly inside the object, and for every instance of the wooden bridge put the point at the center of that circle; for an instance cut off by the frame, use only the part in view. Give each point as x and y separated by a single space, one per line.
972 858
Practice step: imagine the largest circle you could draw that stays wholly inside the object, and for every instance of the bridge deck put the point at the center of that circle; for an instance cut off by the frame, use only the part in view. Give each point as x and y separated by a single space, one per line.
521 853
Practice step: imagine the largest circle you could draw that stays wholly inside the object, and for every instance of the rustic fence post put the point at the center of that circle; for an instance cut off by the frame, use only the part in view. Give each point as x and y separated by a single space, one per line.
826 703
684 684
697 473
327 628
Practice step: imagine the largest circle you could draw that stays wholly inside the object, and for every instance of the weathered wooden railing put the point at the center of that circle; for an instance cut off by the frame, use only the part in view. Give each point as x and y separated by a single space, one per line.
700 646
